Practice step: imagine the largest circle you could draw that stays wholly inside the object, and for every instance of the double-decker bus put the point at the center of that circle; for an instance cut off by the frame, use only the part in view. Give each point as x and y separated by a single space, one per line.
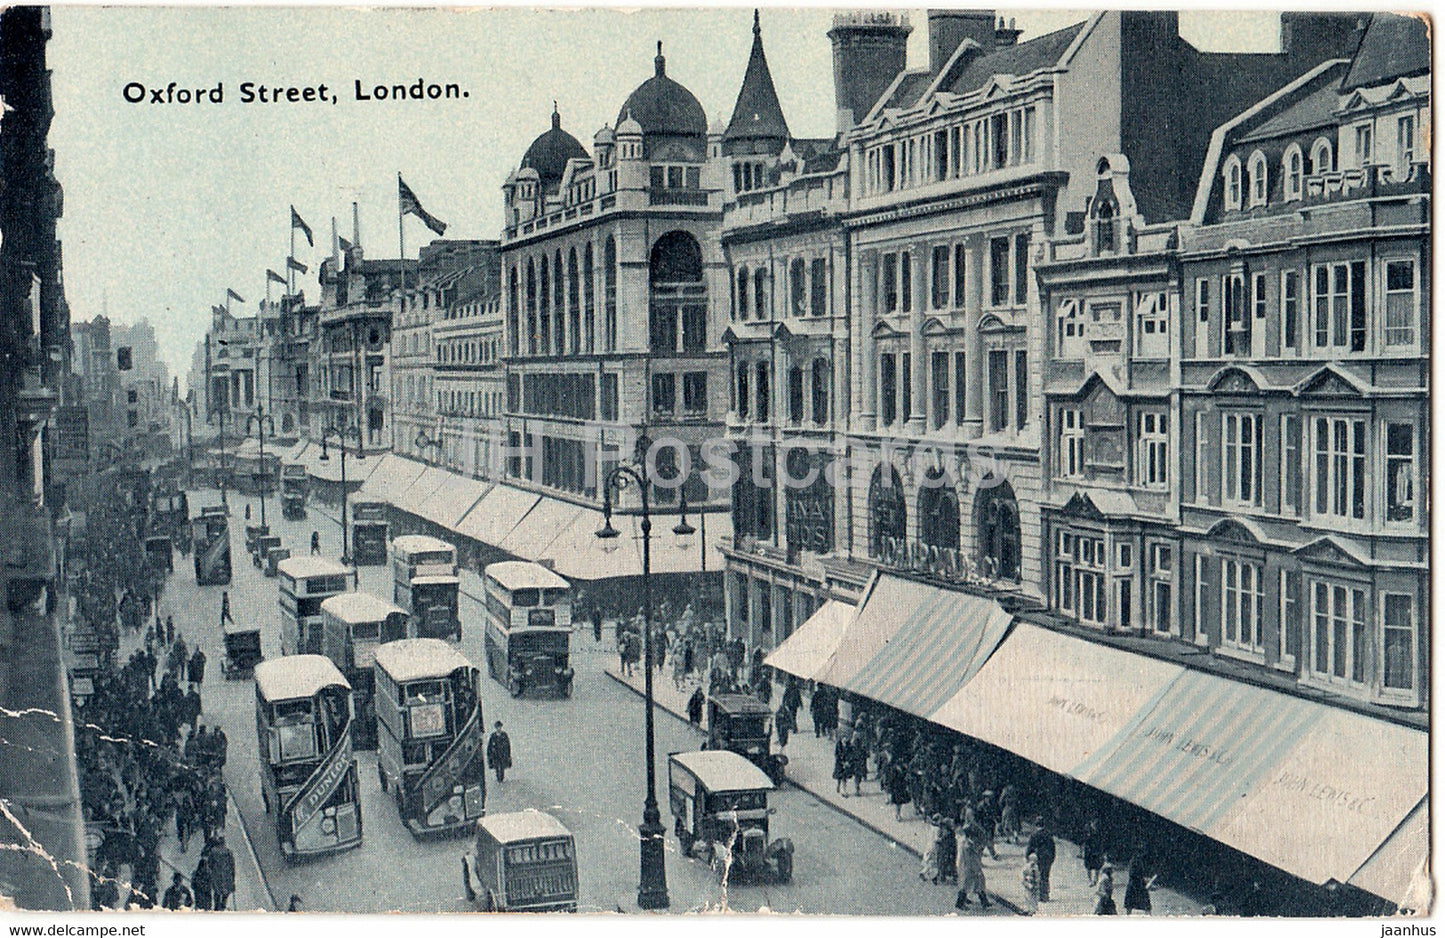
309 781
430 733
369 533
295 483
352 626
426 585
211 542
306 582
529 625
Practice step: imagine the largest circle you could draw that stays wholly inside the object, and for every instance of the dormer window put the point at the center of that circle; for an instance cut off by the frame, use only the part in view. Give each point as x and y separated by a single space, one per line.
1233 184
1364 145
1258 180
1322 157
1293 168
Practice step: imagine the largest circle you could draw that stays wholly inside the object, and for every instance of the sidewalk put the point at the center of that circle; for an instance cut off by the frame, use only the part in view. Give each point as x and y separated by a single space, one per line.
810 767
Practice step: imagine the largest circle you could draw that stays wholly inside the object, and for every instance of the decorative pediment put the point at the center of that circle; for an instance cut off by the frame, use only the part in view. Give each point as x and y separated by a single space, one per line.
1080 505
730 337
1355 102
1327 550
996 88
781 331
1235 531
1237 379
1330 381
1400 92
992 323
934 326
884 331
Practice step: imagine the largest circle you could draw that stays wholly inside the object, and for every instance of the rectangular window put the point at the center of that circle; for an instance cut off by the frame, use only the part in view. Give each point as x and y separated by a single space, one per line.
1242 602
1289 476
664 393
822 376
1151 315
1064 573
1404 145
1398 642
1364 145
1201 329
1339 484
1153 450
1400 302
818 280
658 177
795 395
960 256
998 271
1021 389
1399 472
887 388
1339 298
1261 290
905 386
1201 590
939 379
1289 308
1236 316
1241 469
997 389
744 395
1021 268
694 393
998 141
1289 626
765 405
939 274
1027 153
960 388
905 277
890 282
1338 623
1071 443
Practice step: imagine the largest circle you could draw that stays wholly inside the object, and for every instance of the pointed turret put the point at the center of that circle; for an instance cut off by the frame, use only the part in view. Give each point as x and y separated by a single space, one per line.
757 125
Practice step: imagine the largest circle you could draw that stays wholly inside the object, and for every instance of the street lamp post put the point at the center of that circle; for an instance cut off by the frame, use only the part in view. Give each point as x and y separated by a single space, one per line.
424 442
341 436
262 419
652 888
221 470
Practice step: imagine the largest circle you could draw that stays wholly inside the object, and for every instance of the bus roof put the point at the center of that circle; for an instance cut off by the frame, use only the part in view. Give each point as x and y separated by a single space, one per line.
303 567
520 574
721 770
296 676
416 659
435 580
529 824
418 543
359 607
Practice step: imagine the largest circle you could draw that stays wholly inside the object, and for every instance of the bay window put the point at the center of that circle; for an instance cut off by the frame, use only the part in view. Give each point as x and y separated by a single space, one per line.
1400 302
1397 669
1400 472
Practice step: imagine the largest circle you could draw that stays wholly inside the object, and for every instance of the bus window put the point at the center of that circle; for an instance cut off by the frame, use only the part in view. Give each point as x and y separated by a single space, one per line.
553 597
525 598
297 741
415 754
422 692
366 631
736 801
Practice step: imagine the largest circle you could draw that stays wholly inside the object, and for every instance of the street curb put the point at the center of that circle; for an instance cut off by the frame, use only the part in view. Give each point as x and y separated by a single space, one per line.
836 807
251 852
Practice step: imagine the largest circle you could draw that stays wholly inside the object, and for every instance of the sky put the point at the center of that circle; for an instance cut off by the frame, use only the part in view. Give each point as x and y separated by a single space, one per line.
168 205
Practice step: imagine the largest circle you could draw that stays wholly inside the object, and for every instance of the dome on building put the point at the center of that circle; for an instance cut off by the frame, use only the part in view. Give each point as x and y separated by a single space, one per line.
549 153
663 107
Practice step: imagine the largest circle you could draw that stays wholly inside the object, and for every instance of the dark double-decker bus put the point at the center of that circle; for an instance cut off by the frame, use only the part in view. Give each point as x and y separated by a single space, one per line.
529 627
429 735
308 773
353 626
424 573
211 546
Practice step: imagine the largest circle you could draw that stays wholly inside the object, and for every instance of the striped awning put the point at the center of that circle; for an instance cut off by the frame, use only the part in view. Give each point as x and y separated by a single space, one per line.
934 641
807 651
415 495
452 500
1400 870
389 479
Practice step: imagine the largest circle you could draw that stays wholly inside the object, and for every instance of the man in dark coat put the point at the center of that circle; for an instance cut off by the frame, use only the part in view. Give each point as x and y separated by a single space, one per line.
694 707
221 865
177 895
196 670
201 881
1041 845
499 752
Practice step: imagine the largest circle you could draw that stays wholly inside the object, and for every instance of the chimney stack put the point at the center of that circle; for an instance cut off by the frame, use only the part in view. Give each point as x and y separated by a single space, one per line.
870 48
1006 35
948 28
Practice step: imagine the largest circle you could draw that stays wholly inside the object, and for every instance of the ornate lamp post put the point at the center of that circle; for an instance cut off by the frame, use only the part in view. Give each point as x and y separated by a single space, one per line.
425 442
341 435
262 420
652 889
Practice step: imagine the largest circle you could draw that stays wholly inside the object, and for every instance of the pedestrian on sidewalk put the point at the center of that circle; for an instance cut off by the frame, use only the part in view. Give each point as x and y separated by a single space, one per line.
597 624
786 722
170 630
1008 818
1104 892
226 609
694 707
970 870
177 895
1041 847
948 852
201 882
1030 880
221 865
986 812
196 670
1093 850
499 752
1136 888
842 764
857 760
931 856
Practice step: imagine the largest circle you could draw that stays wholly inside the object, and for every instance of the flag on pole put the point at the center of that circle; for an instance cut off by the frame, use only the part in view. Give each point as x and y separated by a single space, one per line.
293 264
296 222
411 206
345 244
271 275
234 295
219 310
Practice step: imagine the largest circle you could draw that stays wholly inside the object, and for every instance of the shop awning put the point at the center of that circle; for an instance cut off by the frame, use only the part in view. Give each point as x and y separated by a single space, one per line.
668 557
389 479
1399 871
540 526
807 651
940 639
422 488
357 470
494 517
1309 788
452 500
1054 699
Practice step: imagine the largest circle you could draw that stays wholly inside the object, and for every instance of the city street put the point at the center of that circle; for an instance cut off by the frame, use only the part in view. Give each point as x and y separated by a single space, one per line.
578 758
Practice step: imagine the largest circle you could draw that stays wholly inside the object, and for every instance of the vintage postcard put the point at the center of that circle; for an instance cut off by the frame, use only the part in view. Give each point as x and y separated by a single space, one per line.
832 461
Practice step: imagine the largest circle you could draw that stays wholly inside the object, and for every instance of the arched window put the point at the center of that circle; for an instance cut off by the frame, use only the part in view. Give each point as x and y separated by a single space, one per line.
1104 226
574 304
996 514
938 512
740 293
531 343
744 398
544 303
795 394
765 398
887 512
559 299
678 307
760 293
822 385
609 291
1233 184
798 286
589 300
1322 157
1258 179
1293 169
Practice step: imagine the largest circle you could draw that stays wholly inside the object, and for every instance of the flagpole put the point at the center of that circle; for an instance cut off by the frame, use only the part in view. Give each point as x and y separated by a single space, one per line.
401 239
290 273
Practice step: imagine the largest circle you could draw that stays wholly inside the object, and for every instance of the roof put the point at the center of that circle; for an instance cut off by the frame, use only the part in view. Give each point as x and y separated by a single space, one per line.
359 607
757 113
415 659
550 152
296 676
433 580
1393 46
1021 59
1315 109
415 543
907 89
661 106
721 770
519 574
742 703
523 825
302 567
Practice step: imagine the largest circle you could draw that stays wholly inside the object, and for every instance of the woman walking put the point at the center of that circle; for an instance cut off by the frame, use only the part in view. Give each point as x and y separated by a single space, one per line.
1104 893
842 766
1136 889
